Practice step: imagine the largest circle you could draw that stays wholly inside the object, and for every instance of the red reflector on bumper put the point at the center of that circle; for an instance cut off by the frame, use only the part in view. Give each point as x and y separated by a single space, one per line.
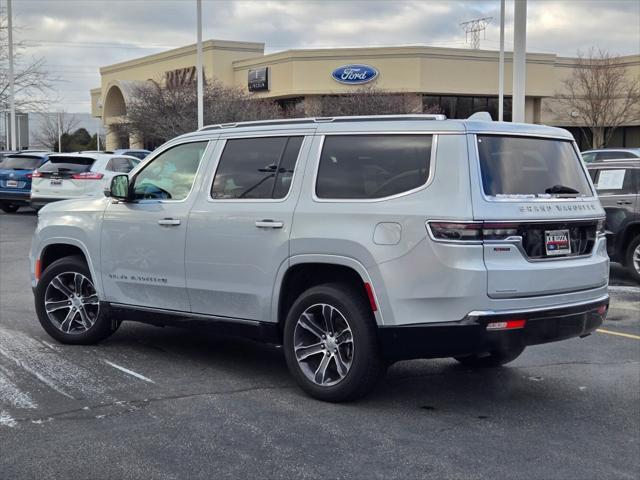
506 325
371 296
602 309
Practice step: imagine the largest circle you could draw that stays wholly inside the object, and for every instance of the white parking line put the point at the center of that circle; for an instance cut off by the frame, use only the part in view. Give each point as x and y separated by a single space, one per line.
130 372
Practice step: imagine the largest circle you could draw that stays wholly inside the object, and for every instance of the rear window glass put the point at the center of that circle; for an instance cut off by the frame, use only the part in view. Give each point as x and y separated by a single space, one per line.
21 163
372 166
69 164
530 166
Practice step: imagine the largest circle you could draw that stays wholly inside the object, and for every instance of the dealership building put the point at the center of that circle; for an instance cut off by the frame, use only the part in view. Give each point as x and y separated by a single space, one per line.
459 81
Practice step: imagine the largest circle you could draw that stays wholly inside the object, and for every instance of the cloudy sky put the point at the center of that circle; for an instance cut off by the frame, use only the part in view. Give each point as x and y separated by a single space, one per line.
76 37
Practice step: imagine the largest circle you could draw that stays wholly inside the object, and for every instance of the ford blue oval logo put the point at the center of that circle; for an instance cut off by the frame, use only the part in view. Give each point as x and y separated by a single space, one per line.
354 74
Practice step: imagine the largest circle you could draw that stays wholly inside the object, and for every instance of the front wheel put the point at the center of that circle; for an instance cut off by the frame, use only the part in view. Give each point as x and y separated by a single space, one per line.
9 207
494 358
67 304
331 344
633 258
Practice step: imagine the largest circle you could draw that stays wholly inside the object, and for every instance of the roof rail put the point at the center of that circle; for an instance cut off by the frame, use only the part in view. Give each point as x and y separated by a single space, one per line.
312 120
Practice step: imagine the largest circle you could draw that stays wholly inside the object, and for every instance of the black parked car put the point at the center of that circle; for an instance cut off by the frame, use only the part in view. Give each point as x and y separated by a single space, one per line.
618 186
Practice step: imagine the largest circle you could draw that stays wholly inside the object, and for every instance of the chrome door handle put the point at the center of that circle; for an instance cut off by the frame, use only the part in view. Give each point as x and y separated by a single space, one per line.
624 202
269 224
169 222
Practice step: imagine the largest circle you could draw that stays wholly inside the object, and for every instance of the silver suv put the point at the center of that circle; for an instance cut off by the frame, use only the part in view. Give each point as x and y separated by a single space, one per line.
352 242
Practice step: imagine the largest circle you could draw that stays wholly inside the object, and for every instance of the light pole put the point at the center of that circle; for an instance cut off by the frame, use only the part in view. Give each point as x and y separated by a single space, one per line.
12 93
199 75
501 66
519 59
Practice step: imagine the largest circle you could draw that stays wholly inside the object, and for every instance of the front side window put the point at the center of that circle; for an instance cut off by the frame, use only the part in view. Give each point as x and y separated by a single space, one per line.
171 174
530 166
252 168
372 166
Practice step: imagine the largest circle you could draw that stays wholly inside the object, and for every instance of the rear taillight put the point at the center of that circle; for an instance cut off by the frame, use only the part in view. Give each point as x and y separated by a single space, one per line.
472 232
34 174
29 176
87 176
457 232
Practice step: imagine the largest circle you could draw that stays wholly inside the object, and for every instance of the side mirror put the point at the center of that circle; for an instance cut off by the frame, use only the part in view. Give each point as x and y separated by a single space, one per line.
119 188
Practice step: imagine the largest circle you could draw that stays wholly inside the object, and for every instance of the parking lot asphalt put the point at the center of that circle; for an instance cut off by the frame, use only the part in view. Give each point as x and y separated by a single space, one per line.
168 403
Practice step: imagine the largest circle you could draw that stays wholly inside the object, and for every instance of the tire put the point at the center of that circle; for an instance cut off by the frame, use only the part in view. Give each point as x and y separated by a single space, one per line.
70 319
9 207
632 258
494 358
353 344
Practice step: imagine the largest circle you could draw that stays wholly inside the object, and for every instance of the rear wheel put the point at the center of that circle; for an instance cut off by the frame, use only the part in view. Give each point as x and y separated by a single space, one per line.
67 304
9 207
331 344
633 258
494 358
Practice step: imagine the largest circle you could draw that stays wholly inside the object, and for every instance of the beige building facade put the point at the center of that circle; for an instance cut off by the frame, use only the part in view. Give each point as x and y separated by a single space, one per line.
458 81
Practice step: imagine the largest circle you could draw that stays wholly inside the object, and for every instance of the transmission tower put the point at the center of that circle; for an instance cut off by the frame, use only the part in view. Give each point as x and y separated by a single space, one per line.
473 29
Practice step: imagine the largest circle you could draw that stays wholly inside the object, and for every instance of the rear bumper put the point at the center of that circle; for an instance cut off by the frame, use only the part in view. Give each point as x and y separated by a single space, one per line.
470 335
15 197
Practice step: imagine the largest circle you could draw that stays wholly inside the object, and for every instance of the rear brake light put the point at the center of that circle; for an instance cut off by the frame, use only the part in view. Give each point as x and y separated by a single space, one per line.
29 176
87 176
506 325
34 174
474 231
460 232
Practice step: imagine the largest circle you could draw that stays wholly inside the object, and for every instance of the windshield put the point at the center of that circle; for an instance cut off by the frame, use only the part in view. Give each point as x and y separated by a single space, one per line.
530 166
20 163
73 164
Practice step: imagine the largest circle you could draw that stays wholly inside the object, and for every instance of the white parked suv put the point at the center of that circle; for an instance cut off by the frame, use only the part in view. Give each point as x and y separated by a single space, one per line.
352 242
76 175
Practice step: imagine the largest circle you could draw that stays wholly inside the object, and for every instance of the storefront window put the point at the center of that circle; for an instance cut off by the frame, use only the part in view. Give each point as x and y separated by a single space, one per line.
464 106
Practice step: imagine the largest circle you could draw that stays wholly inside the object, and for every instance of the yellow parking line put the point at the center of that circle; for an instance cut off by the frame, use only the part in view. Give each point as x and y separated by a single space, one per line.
627 335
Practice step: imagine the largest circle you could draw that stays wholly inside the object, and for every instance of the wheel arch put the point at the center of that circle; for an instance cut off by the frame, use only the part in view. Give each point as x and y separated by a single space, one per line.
293 279
56 248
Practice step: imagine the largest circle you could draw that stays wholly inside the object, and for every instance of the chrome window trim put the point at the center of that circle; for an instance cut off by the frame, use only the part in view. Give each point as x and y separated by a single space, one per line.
493 199
150 201
306 137
430 176
485 313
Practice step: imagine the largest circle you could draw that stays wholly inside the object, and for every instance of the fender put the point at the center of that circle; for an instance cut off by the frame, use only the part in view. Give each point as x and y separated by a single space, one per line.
36 253
381 314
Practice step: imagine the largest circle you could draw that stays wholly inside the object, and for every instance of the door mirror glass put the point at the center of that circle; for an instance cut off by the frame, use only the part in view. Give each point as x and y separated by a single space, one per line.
119 187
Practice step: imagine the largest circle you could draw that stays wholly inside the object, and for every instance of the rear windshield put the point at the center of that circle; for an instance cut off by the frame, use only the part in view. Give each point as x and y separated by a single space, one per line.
530 166
68 164
20 163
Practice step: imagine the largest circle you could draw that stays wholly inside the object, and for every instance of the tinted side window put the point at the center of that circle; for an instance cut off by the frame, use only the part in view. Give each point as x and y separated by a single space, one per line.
615 181
171 174
613 155
120 165
252 168
372 166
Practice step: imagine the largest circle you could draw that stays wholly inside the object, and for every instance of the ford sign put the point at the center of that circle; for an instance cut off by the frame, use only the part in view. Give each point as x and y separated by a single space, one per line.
354 74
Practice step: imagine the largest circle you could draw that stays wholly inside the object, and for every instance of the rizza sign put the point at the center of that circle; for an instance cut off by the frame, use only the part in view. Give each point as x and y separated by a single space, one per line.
354 74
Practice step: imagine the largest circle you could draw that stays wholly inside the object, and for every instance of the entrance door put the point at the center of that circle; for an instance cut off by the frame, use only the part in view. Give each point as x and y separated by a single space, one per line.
143 241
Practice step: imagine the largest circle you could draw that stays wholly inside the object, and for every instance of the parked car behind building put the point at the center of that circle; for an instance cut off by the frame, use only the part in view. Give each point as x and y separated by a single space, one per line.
76 175
16 170
618 185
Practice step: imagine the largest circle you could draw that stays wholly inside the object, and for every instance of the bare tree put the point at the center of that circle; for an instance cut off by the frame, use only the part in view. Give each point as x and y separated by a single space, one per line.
600 95
52 124
370 100
33 84
159 112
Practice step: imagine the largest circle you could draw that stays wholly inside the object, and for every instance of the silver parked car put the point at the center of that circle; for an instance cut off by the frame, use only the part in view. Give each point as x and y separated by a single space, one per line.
606 154
353 242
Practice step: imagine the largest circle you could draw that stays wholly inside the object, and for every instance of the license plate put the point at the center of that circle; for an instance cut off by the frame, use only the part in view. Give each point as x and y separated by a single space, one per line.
12 183
56 181
557 242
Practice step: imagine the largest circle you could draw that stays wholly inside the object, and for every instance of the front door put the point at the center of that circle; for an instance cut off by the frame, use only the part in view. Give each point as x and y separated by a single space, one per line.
238 235
143 241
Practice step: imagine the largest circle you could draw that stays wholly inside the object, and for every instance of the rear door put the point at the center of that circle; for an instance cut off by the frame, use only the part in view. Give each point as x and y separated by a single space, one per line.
541 217
238 235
